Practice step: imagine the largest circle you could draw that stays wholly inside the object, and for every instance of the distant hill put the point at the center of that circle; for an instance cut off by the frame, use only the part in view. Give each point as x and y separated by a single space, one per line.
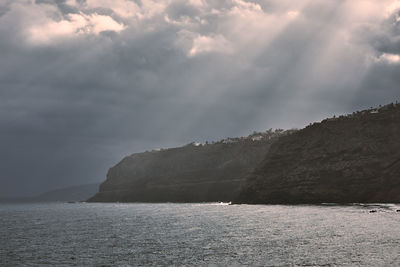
192 173
353 158
73 193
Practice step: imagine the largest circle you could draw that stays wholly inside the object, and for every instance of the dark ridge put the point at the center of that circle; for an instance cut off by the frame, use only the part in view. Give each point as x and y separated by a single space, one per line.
353 158
72 193
192 173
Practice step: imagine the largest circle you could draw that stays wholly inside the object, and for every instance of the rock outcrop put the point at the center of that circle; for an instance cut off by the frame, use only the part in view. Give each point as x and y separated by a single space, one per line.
193 173
354 158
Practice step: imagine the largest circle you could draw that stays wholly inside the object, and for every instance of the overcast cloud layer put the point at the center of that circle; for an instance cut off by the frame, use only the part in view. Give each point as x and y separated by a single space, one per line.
84 83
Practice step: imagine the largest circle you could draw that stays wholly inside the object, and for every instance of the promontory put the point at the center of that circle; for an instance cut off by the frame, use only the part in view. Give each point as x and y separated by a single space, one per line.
345 159
197 172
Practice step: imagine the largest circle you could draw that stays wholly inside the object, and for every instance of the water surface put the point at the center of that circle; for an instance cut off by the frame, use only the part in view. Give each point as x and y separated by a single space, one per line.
88 234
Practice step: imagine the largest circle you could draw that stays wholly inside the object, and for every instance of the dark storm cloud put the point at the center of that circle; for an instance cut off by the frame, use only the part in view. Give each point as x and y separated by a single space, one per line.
84 83
387 40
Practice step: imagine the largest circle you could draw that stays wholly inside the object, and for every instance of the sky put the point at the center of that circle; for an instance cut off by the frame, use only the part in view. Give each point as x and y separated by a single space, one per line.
85 83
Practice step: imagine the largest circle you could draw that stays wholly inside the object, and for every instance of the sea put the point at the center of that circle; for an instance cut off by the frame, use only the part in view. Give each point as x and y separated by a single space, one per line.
203 234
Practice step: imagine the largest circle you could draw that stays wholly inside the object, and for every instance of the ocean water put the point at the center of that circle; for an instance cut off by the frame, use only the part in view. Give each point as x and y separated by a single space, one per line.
86 234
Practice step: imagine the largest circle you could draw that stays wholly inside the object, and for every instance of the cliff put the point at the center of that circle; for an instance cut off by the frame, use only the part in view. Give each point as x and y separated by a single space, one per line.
353 158
192 173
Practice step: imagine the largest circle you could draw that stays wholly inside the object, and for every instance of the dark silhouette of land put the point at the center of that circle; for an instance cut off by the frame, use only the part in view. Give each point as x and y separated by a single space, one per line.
353 158
345 159
192 173
72 193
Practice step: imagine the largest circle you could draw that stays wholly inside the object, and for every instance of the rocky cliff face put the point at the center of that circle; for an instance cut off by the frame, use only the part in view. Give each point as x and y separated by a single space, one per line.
193 173
354 158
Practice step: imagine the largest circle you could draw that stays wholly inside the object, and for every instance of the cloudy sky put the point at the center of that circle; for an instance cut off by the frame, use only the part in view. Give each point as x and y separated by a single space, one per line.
85 83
